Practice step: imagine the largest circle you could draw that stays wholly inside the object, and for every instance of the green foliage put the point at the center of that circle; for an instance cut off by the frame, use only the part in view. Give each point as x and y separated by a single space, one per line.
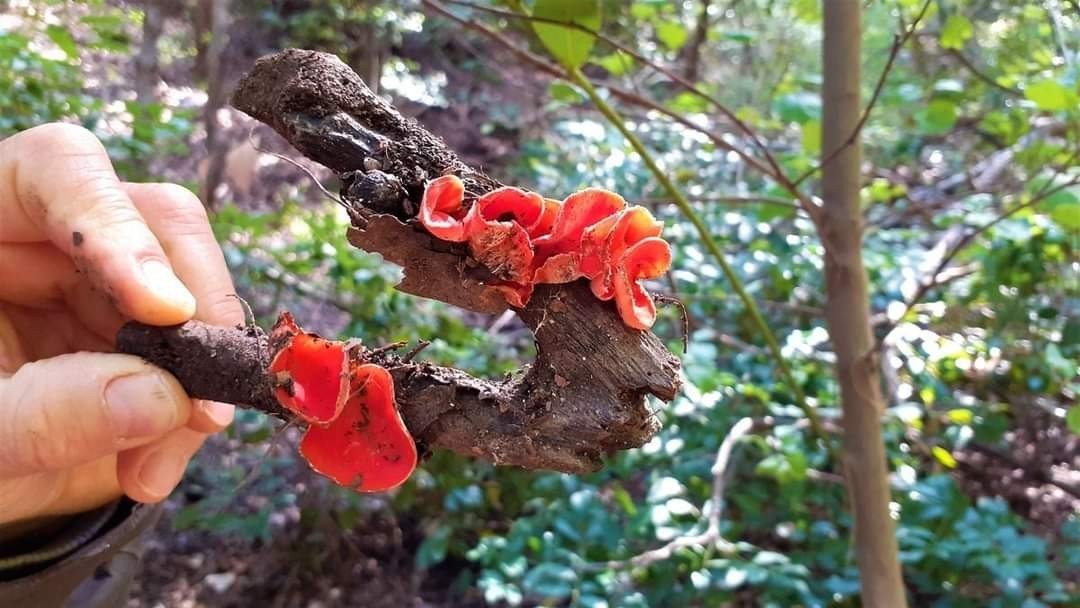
956 31
36 86
569 46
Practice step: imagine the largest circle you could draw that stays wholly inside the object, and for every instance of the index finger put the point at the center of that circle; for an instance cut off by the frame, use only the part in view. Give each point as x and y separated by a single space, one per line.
57 185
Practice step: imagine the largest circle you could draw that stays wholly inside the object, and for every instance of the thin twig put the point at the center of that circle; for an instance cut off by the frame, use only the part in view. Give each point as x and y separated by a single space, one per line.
976 72
666 299
421 345
705 234
630 97
711 536
963 242
388 347
678 79
308 172
249 314
898 42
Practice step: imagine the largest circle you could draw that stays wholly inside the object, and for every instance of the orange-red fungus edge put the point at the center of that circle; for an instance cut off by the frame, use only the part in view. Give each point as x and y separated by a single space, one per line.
524 239
356 436
309 373
367 448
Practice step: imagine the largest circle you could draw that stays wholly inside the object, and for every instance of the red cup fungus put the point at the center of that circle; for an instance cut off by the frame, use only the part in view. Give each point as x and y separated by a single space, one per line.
355 435
524 239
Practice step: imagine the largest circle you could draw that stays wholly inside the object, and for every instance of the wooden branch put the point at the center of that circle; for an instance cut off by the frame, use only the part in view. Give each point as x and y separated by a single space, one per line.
847 311
894 51
583 397
712 535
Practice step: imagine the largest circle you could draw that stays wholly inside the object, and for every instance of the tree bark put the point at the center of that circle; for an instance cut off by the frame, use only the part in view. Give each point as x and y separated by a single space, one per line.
848 312
585 394
216 96
690 55
147 70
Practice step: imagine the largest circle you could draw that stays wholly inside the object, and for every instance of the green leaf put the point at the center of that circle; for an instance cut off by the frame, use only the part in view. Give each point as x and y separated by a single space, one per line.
956 31
568 46
1048 95
1072 419
938 118
688 103
433 550
560 91
811 137
550 581
1064 208
616 63
672 34
944 457
960 416
738 36
62 37
799 107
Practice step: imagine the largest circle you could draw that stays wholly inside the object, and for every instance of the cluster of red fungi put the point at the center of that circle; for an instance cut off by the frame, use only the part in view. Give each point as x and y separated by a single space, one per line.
355 434
525 239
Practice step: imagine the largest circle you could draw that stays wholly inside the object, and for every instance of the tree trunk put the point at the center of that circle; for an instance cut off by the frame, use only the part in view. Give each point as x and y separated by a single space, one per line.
216 96
848 312
201 23
146 61
690 55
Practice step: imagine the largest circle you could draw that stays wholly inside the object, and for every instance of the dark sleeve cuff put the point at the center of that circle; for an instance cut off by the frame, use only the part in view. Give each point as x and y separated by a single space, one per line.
45 569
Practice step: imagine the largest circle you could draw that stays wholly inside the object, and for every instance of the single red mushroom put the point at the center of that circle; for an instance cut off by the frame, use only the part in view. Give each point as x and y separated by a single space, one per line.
604 246
309 373
647 259
496 230
366 448
441 208
546 221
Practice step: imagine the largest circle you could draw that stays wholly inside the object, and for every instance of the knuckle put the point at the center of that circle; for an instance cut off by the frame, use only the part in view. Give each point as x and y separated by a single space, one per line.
29 428
105 207
64 133
182 209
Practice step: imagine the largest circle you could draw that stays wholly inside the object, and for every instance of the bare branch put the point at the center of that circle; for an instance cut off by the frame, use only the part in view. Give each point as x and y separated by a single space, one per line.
773 170
939 276
711 536
976 72
898 42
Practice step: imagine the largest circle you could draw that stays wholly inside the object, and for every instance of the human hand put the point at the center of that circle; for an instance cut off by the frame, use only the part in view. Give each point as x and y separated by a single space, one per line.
80 254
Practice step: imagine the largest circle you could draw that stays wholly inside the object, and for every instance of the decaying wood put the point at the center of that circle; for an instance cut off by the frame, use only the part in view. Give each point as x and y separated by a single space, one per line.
583 396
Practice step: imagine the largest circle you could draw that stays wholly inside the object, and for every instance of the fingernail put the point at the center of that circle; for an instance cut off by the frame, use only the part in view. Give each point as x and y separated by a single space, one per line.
160 473
161 280
141 405
219 413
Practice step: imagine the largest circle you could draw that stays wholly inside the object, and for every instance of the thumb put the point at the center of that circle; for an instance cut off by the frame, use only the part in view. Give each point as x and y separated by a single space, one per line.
72 409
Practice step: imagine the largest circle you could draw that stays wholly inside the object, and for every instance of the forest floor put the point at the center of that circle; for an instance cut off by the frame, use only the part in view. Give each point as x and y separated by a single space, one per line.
371 563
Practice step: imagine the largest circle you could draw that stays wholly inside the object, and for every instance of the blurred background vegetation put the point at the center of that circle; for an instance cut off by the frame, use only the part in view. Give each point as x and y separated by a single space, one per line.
971 221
